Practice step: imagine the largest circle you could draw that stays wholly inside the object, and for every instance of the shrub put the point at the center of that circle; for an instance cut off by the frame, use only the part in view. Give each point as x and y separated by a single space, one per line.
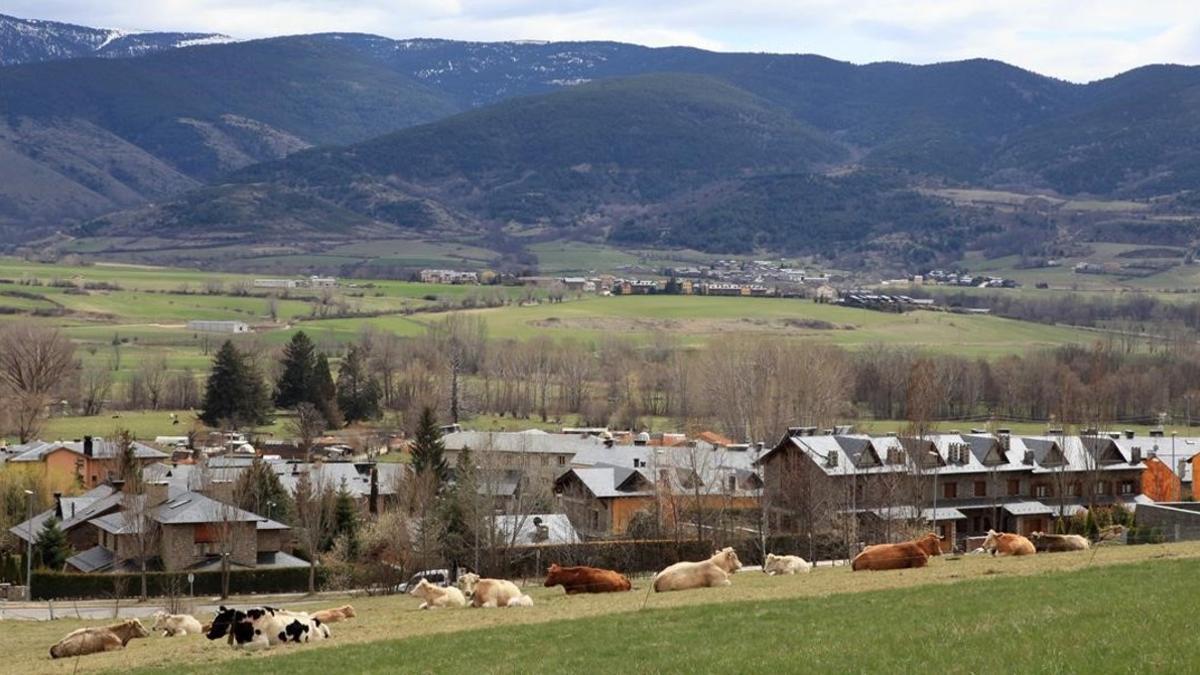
58 585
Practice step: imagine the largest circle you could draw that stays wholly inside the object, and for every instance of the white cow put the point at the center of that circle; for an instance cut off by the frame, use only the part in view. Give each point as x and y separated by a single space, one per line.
785 564
176 624
712 572
436 597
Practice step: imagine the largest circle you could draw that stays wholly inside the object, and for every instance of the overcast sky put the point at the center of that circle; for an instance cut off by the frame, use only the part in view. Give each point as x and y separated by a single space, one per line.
1078 40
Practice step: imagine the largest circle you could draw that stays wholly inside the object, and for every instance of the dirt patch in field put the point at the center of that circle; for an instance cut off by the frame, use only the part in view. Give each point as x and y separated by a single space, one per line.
790 326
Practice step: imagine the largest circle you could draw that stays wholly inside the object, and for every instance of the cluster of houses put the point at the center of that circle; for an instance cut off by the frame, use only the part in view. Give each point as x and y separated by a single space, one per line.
442 276
964 279
313 281
760 272
591 484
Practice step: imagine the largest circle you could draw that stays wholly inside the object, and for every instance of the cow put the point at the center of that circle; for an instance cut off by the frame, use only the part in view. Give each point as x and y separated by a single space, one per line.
334 615
1054 543
436 597
492 592
466 583
703 574
98 639
785 564
262 627
586 579
1005 543
902 555
176 624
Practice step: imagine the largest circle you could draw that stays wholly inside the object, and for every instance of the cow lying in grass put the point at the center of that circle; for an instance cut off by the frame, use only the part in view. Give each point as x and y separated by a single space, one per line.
334 615
176 624
785 564
1006 543
707 573
100 639
262 627
1054 543
903 555
436 597
586 579
492 592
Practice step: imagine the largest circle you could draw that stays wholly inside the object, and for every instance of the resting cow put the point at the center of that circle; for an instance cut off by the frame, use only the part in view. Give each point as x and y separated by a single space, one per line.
903 555
493 592
334 615
436 597
100 639
707 573
176 624
1006 543
586 579
1054 543
785 564
262 627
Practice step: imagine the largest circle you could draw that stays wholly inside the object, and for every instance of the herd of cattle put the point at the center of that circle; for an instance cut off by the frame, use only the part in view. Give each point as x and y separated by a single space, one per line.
263 627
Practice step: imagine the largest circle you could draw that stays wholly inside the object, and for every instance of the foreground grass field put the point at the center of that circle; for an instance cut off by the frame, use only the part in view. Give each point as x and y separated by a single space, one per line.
1097 614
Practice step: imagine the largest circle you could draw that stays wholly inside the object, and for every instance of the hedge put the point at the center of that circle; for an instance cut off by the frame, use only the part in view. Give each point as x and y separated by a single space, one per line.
66 585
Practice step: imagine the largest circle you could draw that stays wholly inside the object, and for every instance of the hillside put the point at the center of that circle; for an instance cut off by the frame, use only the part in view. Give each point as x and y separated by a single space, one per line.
584 153
34 41
81 137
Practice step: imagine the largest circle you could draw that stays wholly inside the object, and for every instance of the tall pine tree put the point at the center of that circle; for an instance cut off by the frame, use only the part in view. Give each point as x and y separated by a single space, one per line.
326 393
235 393
357 391
296 383
428 451
52 547
345 519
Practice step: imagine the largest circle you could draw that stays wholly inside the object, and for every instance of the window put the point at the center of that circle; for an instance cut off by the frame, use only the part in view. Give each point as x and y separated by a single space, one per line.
732 483
1127 487
1101 487
950 490
562 460
980 488
1041 490
595 519
1014 488
1074 489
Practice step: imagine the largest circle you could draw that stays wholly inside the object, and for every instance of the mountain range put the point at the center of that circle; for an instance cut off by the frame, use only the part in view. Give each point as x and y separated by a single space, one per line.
309 138
33 41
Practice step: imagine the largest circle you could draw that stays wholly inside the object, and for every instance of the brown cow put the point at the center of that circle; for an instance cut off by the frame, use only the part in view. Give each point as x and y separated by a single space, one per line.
103 639
903 555
586 579
1006 543
1054 543
334 615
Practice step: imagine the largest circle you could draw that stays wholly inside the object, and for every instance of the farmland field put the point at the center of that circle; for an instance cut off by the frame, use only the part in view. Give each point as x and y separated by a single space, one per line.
1103 614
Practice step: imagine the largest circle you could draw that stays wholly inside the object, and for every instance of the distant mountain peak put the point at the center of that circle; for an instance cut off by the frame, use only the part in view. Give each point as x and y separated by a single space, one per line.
36 40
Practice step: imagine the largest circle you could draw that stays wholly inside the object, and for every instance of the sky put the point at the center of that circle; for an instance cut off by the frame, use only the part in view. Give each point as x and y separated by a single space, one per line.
1077 40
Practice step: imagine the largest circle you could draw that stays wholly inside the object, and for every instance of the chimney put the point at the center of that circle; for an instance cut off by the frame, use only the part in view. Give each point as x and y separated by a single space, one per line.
58 512
156 493
373 499
87 446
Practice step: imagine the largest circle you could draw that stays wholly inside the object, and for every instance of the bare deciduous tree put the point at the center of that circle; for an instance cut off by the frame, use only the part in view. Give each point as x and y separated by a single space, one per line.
34 362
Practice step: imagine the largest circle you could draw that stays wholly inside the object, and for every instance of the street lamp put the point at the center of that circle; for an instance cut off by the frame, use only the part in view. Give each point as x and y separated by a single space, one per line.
29 551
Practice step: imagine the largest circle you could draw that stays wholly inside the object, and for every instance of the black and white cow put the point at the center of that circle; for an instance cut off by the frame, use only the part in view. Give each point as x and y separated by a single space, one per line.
262 627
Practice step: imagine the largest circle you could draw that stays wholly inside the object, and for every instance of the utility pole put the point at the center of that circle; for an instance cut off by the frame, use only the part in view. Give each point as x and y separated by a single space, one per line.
29 551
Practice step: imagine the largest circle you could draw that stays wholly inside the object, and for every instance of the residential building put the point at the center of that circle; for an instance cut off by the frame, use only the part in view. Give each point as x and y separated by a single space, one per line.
90 461
448 277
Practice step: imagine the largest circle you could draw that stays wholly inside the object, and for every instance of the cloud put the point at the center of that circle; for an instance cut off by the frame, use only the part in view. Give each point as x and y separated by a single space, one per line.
1073 39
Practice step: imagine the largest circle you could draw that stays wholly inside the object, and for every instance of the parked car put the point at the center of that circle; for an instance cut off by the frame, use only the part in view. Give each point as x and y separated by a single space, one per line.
438 577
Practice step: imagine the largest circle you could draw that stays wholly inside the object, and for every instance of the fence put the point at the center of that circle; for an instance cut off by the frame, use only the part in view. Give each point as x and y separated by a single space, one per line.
65 585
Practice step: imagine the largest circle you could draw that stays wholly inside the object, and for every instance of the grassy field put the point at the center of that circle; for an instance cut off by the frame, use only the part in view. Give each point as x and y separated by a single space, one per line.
1108 613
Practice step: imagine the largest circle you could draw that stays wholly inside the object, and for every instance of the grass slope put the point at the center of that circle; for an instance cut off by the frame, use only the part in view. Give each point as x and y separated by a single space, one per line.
1098 620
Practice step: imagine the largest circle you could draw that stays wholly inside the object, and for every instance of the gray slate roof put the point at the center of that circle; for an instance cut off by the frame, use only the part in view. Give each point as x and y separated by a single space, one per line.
531 441
522 531
102 449
95 559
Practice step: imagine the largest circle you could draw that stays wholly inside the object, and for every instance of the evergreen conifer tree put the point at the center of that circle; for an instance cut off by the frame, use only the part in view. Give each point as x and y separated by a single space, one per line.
428 451
357 391
52 546
296 382
235 392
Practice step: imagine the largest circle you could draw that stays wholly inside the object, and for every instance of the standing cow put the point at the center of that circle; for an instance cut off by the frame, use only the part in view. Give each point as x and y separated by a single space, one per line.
586 579
903 555
706 573
1054 543
1006 543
